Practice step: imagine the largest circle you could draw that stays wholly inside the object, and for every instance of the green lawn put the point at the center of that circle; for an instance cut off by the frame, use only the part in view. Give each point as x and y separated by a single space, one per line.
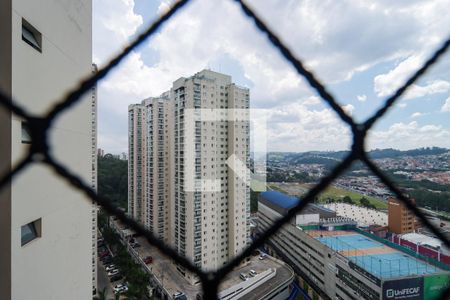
276 188
445 215
338 193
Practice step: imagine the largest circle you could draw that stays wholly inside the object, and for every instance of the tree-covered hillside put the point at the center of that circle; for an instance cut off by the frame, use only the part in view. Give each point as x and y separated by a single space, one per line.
113 179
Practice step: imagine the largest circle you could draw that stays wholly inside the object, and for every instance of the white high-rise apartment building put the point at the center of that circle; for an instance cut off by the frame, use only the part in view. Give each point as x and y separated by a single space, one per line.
158 172
45 225
210 221
148 165
94 178
208 204
136 159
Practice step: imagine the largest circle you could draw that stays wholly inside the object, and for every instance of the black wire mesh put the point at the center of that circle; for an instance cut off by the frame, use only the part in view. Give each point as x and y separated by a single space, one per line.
41 152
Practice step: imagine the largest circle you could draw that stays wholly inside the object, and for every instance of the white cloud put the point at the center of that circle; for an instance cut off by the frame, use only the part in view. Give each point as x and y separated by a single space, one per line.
296 127
387 84
361 98
113 23
348 109
336 49
313 100
446 106
417 115
434 87
409 136
164 6
134 78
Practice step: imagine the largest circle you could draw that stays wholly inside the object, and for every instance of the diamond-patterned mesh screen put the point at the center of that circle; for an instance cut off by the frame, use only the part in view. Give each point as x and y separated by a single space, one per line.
39 152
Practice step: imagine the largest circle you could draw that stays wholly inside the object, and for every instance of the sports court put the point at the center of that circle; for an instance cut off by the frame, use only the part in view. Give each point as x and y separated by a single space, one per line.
378 259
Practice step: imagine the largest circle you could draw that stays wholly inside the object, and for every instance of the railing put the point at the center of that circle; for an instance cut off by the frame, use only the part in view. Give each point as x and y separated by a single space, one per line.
40 150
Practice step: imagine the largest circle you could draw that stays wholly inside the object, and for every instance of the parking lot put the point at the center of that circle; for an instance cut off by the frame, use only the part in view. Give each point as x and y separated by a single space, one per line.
104 281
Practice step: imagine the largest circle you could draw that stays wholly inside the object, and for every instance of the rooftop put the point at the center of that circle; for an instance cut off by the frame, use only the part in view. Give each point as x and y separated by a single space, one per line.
280 199
362 215
423 239
282 203
380 260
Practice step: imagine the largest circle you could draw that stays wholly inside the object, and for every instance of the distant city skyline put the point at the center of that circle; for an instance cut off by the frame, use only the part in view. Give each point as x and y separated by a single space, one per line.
360 66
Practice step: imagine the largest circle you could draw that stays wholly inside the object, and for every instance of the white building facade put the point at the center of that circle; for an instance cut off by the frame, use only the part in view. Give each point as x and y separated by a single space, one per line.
94 178
136 159
46 226
157 168
190 178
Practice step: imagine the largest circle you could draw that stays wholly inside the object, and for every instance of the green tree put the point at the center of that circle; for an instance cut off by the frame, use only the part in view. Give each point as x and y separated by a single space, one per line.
113 179
253 201
364 202
347 199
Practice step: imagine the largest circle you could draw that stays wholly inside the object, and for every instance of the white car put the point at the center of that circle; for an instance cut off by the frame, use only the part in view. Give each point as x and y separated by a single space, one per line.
113 272
110 268
120 288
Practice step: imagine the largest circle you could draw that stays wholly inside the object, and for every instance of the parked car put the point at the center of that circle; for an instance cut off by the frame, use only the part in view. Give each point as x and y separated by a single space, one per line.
243 276
252 273
110 267
262 256
148 260
120 288
135 245
179 296
113 272
115 278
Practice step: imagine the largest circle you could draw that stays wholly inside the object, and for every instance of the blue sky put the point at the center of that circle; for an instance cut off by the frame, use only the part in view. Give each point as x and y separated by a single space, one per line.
362 50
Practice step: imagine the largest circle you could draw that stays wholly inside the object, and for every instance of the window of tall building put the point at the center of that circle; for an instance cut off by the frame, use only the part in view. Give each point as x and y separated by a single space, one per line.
30 231
25 133
31 36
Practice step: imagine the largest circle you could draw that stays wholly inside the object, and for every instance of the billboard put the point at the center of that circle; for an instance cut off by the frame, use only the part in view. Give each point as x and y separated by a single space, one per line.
403 289
434 285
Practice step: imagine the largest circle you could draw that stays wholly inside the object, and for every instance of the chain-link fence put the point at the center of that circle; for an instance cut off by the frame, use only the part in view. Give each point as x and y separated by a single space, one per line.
40 152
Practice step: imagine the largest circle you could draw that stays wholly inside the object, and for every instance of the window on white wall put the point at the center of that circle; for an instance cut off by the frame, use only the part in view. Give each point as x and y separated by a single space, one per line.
30 231
31 35
25 133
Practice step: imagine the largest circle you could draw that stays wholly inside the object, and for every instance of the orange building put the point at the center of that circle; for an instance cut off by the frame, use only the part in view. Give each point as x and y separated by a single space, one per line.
400 218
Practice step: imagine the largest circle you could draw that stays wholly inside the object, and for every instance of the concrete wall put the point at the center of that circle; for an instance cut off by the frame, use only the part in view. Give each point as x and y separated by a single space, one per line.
57 265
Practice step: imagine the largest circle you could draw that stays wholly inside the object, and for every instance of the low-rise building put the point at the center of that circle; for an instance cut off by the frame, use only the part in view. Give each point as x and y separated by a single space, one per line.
340 261
400 218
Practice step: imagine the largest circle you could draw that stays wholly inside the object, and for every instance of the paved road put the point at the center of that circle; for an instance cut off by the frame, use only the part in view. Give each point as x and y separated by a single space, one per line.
165 271
103 281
